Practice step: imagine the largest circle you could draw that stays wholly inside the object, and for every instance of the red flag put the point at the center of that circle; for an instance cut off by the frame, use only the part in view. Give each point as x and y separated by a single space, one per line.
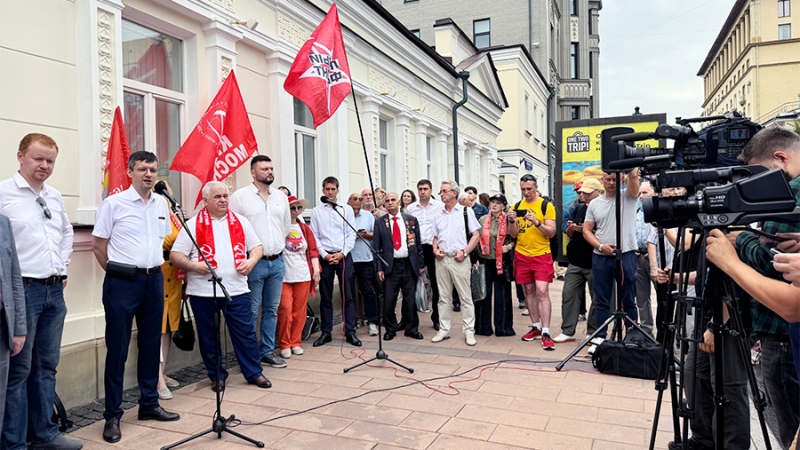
115 171
222 141
320 75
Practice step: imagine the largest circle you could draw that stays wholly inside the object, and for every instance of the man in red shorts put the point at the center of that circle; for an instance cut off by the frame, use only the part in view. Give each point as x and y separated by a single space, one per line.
533 263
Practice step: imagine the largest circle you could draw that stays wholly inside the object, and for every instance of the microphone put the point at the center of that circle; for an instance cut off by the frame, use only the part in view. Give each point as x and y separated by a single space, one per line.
325 199
161 189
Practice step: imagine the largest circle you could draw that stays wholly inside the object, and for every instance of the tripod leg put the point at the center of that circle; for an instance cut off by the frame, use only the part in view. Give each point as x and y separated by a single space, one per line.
348 369
190 438
586 342
258 444
399 365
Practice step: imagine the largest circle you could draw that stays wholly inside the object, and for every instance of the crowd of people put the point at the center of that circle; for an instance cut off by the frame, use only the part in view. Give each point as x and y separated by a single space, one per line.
377 245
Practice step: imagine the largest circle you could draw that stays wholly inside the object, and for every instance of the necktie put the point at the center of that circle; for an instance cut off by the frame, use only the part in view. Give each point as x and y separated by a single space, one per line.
396 235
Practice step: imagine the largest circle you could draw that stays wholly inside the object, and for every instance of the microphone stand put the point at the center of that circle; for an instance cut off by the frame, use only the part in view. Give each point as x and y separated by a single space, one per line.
380 354
219 423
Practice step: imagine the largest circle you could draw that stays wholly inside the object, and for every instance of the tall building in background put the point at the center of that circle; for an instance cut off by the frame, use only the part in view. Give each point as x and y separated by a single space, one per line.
561 36
754 64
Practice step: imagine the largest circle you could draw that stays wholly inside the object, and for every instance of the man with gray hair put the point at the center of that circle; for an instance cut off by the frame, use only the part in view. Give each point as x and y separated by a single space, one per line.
455 232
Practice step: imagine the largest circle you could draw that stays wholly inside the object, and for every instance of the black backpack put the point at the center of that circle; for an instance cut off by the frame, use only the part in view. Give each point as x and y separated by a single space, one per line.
554 249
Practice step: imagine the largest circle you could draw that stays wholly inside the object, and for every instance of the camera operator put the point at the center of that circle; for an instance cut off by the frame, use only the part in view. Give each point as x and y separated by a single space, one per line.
774 148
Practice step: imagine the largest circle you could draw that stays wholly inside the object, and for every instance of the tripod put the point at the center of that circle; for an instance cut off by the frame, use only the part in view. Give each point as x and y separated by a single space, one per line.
718 290
219 423
380 354
618 317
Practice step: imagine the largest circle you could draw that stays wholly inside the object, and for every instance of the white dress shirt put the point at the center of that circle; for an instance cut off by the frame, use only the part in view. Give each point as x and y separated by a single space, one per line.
135 230
44 247
424 215
270 218
331 232
402 252
448 227
234 282
361 252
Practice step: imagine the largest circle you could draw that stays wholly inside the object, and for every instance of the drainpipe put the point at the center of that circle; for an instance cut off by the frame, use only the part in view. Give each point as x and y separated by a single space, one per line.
551 178
464 75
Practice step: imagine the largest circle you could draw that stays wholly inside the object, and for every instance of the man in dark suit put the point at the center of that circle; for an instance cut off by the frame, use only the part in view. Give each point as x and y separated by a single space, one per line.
13 324
397 238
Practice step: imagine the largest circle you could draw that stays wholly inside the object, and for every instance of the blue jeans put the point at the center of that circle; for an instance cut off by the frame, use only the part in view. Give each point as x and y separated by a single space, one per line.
780 381
266 283
605 270
32 373
239 322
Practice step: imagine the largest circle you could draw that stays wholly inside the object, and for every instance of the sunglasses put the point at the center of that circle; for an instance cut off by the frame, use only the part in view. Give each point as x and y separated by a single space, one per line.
528 178
296 208
47 214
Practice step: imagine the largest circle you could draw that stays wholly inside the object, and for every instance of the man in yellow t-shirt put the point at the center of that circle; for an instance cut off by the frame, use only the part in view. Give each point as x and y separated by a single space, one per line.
533 263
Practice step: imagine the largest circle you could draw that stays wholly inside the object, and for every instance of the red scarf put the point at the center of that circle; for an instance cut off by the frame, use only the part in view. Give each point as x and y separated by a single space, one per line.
205 238
502 223
179 274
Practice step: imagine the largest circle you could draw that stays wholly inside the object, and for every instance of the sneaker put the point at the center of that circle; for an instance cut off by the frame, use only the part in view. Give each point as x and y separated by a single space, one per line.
373 329
470 338
272 360
440 336
286 353
560 278
60 442
581 317
592 349
522 304
525 312
171 383
297 350
547 342
531 335
563 338
598 340
165 394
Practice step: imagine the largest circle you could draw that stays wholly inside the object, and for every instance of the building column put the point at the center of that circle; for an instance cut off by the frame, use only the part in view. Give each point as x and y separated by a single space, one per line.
484 185
281 126
442 159
421 138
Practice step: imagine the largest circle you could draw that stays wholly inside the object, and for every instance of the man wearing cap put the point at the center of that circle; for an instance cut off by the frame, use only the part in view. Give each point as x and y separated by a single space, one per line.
267 209
362 262
579 254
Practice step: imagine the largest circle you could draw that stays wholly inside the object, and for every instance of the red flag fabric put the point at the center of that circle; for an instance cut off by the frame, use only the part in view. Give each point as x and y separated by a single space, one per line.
222 140
320 75
115 171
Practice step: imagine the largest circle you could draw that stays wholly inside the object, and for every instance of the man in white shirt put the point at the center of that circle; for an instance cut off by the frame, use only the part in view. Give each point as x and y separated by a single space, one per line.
228 237
127 242
362 262
425 209
268 210
451 249
335 240
43 236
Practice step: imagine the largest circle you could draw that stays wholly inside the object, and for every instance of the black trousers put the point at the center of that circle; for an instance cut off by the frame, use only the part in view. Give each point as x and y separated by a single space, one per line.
401 278
344 272
430 267
503 309
365 275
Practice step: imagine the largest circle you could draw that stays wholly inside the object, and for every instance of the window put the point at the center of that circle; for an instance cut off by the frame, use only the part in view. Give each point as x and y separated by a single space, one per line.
305 139
576 112
784 31
410 1
591 66
153 97
591 25
527 108
383 143
784 8
415 32
573 7
535 117
428 156
573 60
481 33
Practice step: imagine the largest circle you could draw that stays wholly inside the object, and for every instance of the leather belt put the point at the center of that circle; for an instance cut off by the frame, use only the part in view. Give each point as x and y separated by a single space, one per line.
149 271
450 254
272 258
51 280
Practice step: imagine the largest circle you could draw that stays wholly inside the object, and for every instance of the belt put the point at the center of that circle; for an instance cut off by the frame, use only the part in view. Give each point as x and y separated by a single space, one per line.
272 258
47 281
332 251
149 271
450 254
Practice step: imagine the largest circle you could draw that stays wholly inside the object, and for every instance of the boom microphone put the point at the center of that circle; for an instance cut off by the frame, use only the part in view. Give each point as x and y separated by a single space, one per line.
325 199
161 189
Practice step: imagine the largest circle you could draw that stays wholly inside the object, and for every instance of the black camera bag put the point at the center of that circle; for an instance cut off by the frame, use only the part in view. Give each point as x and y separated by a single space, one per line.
635 358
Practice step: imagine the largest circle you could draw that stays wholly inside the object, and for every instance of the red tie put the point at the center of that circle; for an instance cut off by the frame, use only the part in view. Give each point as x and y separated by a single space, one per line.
396 235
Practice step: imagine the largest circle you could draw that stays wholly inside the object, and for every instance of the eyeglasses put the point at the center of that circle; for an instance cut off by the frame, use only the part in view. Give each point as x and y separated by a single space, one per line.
47 214
356 199
296 208
445 191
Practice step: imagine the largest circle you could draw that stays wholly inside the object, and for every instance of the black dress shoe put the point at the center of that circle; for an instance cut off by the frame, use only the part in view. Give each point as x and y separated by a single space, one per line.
219 386
262 382
353 340
111 431
158 414
322 340
457 308
436 326
414 335
388 336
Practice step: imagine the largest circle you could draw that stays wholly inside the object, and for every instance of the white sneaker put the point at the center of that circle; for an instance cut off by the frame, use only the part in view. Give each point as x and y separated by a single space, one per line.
297 350
286 353
525 312
563 338
598 340
470 338
373 329
440 336
592 349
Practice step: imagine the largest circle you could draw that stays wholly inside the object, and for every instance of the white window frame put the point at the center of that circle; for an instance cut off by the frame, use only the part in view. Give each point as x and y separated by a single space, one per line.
429 150
527 107
385 180
299 132
787 26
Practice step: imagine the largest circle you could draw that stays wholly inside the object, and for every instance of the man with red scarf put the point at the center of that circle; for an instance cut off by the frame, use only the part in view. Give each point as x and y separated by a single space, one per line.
225 238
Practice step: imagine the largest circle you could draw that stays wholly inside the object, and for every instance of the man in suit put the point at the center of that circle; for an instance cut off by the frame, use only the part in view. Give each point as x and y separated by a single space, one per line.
396 237
13 324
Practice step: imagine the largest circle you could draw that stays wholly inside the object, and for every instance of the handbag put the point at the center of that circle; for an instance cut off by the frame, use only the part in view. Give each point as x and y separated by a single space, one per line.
184 337
508 266
423 294
477 282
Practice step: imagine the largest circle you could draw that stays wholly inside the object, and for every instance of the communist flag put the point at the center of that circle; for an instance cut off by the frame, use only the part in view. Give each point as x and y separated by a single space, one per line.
320 75
115 171
221 141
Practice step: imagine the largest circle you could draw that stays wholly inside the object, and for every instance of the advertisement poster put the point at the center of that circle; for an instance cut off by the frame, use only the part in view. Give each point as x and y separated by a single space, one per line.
579 156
